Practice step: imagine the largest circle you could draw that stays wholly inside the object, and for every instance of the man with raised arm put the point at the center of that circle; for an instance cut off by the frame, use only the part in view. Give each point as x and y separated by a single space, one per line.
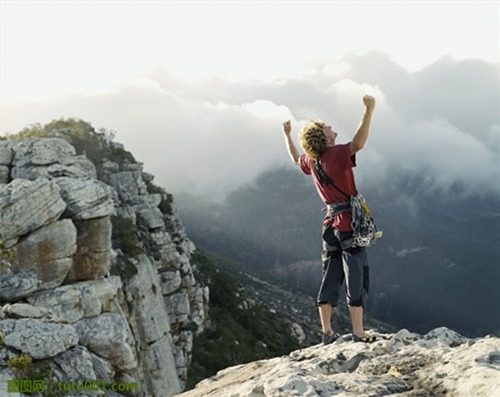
342 260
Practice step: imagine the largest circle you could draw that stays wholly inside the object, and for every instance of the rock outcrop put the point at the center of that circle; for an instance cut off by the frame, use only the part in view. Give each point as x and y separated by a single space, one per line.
440 363
95 274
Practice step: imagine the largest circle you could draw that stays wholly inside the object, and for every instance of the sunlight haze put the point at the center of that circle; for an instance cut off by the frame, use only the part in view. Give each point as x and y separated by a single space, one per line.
52 48
223 75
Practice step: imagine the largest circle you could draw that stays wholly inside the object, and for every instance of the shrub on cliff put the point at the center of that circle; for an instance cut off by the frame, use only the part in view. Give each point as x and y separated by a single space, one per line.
95 145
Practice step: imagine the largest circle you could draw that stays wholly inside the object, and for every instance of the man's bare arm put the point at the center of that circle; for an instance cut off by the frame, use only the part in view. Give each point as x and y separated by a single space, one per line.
361 135
292 150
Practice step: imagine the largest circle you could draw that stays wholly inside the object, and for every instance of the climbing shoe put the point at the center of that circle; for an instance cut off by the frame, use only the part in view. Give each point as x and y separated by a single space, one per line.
366 338
329 338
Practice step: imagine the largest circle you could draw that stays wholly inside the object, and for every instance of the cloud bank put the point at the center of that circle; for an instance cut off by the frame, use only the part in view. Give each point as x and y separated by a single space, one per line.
211 136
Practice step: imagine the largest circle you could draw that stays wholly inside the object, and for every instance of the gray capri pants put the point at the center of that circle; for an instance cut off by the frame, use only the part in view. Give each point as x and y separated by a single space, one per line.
342 262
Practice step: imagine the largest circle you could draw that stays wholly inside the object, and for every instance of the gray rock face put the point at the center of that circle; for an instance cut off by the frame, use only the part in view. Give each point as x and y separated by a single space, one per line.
4 174
93 255
150 322
403 364
17 285
76 363
40 152
129 185
73 302
63 303
41 260
170 282
152 318
40 339
28 205
186 303
6 155
48 252
48 158
150 218
25 310
85 199
108 335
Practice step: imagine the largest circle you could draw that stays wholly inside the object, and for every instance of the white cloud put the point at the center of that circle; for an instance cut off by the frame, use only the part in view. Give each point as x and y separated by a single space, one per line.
212 144
52 48
198 90
336 69
267 110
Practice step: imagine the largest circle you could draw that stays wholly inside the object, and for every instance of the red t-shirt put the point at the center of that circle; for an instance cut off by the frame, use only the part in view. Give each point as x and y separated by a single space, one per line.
337 163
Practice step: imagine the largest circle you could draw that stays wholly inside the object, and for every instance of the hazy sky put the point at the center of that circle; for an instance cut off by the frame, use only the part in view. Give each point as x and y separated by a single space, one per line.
197 91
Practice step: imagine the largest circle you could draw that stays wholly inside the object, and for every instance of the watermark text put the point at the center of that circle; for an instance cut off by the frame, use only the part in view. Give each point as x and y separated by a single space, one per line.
31 386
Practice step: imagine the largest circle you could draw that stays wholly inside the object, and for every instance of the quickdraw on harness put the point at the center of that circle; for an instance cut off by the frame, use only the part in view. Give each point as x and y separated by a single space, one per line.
365 231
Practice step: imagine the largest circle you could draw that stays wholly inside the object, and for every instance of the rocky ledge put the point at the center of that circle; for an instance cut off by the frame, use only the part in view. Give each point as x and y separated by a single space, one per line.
440 363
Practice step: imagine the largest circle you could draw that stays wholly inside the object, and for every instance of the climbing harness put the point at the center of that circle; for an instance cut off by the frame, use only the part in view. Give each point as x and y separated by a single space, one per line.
365 232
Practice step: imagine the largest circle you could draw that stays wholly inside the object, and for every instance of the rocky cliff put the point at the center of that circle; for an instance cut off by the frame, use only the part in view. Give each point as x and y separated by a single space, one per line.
440 363
95 275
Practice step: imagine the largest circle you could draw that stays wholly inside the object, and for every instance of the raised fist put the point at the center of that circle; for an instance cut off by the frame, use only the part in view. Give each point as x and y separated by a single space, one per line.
287 127
369 102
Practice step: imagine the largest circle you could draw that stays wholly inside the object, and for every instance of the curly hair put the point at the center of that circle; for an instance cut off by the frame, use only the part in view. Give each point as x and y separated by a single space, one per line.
312 139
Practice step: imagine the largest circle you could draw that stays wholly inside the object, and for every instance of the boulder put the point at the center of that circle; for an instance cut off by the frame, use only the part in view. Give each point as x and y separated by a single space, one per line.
298 332
129 186
150 218
28 205
38 338
86 166
108 335
82 168
47 252
85 198
103 370
70 303
46 151
48 158
170 282
25 310
76 364
6 153
17 285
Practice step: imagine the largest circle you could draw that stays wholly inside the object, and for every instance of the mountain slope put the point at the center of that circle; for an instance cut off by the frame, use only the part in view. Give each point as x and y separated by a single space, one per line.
435 265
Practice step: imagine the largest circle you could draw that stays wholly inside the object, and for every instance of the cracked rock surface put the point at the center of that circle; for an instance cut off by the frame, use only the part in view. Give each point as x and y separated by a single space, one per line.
440 363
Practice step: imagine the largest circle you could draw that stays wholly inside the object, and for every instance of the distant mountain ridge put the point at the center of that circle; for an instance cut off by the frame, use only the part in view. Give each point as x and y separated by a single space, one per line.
436 264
